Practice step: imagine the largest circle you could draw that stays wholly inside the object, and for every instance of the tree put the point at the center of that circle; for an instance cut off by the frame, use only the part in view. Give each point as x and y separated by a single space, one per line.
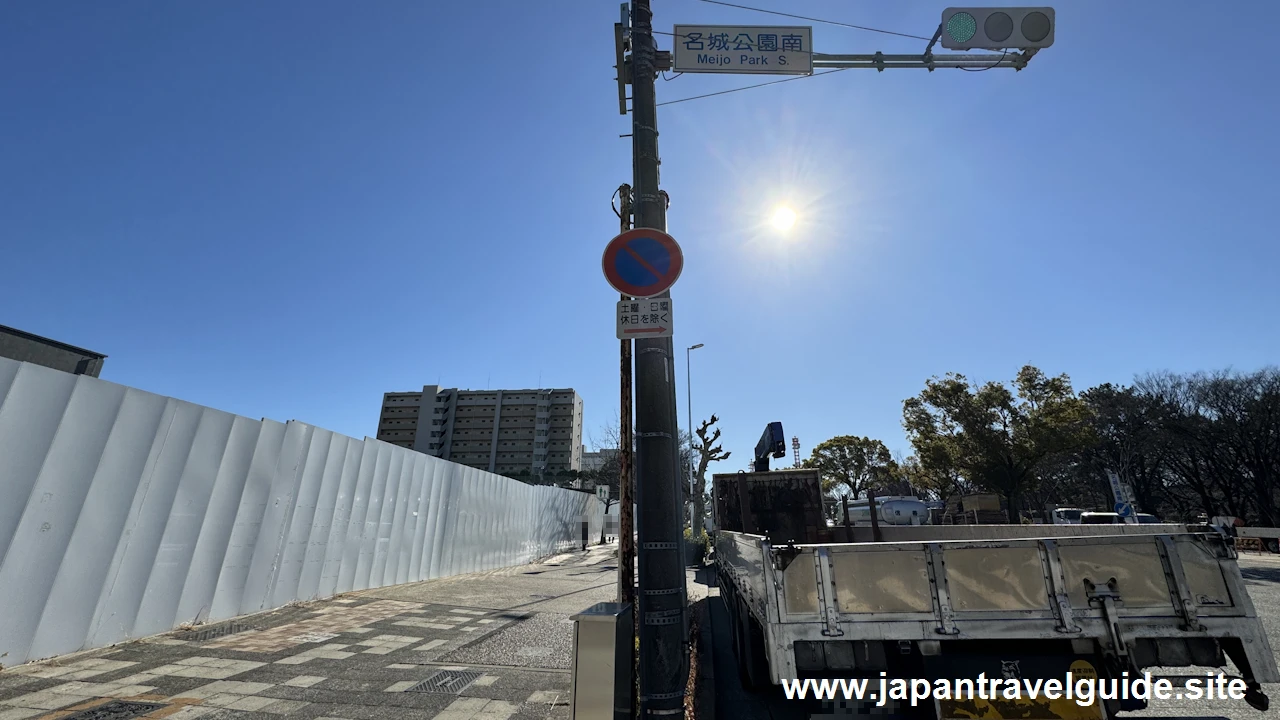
1124 436
1191 452
851 465
927 481
933 478
526 475
1218 442
992 436
708 451
1222 440
1245 412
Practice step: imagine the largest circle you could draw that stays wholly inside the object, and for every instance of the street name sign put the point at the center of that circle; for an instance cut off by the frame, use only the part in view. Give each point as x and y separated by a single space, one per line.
1123 496
642 262
1120 489
642 318
744 49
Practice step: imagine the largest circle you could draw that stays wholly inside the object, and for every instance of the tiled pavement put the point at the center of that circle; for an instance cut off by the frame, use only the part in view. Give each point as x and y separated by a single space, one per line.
488 646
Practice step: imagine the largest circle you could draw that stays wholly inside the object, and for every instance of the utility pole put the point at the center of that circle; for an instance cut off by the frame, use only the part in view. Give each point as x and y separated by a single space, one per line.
626 503
662 611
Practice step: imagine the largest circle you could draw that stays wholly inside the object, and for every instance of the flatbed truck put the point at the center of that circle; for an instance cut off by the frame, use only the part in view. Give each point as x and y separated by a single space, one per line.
809 599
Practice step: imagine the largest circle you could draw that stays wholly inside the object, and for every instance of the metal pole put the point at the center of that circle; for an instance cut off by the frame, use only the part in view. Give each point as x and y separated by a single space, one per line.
875 514
626 518
927 61
663 657
688 385
626 503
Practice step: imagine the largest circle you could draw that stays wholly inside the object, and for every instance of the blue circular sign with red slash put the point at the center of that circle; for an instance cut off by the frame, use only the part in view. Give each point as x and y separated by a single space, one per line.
642 262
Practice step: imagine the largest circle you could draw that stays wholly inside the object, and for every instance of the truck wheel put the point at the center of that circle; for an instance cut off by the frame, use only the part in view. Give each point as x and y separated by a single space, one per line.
730 600
1273 545
735 632
1256 699
739 642
751 654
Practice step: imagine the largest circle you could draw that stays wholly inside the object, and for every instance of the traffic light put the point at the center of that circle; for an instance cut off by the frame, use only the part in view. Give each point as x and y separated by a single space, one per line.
1018 28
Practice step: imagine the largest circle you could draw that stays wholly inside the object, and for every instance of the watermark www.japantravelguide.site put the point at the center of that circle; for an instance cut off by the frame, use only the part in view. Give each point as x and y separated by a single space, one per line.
1083 690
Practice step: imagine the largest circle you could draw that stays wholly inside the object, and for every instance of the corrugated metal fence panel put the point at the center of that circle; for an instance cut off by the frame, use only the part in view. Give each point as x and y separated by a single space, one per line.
124 514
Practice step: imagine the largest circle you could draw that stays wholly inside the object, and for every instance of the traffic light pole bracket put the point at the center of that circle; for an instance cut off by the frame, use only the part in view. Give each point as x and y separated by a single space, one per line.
927 61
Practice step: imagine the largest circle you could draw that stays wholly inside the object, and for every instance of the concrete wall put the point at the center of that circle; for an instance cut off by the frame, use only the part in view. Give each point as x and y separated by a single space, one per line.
125 514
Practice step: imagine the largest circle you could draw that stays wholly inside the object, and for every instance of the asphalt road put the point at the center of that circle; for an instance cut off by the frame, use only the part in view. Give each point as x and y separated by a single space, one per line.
1262 577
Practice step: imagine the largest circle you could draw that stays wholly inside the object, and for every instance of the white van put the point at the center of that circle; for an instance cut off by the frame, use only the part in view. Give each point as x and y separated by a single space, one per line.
1067 516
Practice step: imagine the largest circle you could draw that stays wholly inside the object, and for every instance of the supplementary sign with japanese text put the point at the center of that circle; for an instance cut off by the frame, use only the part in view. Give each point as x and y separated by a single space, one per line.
644 318
751 49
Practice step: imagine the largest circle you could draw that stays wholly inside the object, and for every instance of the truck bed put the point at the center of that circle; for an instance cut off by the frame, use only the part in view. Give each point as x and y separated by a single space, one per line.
1143 595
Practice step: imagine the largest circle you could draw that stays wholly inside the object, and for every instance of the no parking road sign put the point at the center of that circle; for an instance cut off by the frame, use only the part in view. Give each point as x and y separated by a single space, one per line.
642 262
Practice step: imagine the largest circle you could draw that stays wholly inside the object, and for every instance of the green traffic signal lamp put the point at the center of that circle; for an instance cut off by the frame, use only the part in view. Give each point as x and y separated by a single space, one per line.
992 28
961 27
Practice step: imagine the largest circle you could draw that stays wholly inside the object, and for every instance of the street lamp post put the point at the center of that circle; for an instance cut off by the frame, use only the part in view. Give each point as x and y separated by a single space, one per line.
688 383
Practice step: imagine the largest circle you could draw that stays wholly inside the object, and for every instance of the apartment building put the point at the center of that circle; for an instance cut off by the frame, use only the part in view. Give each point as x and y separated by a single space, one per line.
597 459
502 431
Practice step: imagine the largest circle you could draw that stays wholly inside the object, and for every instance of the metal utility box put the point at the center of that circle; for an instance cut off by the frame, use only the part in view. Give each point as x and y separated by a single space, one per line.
603 643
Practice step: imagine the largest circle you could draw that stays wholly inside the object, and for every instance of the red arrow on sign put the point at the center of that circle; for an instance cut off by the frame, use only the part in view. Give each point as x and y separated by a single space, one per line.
645 330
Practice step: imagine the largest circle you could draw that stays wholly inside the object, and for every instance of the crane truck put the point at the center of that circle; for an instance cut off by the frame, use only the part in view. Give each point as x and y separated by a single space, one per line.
808 599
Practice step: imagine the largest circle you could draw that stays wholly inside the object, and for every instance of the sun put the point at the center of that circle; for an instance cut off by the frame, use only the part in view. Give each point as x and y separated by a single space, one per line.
783 218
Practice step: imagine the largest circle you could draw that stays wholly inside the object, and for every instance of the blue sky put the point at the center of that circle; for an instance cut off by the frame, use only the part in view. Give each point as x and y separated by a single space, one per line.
286 209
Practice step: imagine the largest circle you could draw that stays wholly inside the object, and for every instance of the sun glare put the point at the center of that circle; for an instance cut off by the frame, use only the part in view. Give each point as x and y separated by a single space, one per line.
783 218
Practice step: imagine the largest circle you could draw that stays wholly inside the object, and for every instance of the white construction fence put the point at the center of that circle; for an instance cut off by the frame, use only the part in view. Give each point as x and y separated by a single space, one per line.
125 514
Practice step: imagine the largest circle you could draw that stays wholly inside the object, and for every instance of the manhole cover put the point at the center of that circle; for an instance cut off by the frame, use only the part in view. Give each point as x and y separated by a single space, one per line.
115 710
448 682
213 632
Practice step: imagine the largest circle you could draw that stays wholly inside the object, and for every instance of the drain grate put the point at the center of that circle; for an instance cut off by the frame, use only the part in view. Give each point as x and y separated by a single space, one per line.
116 710
213 632
447 682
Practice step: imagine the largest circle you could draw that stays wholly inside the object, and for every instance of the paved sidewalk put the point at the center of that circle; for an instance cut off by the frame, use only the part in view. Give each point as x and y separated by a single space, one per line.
485 646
